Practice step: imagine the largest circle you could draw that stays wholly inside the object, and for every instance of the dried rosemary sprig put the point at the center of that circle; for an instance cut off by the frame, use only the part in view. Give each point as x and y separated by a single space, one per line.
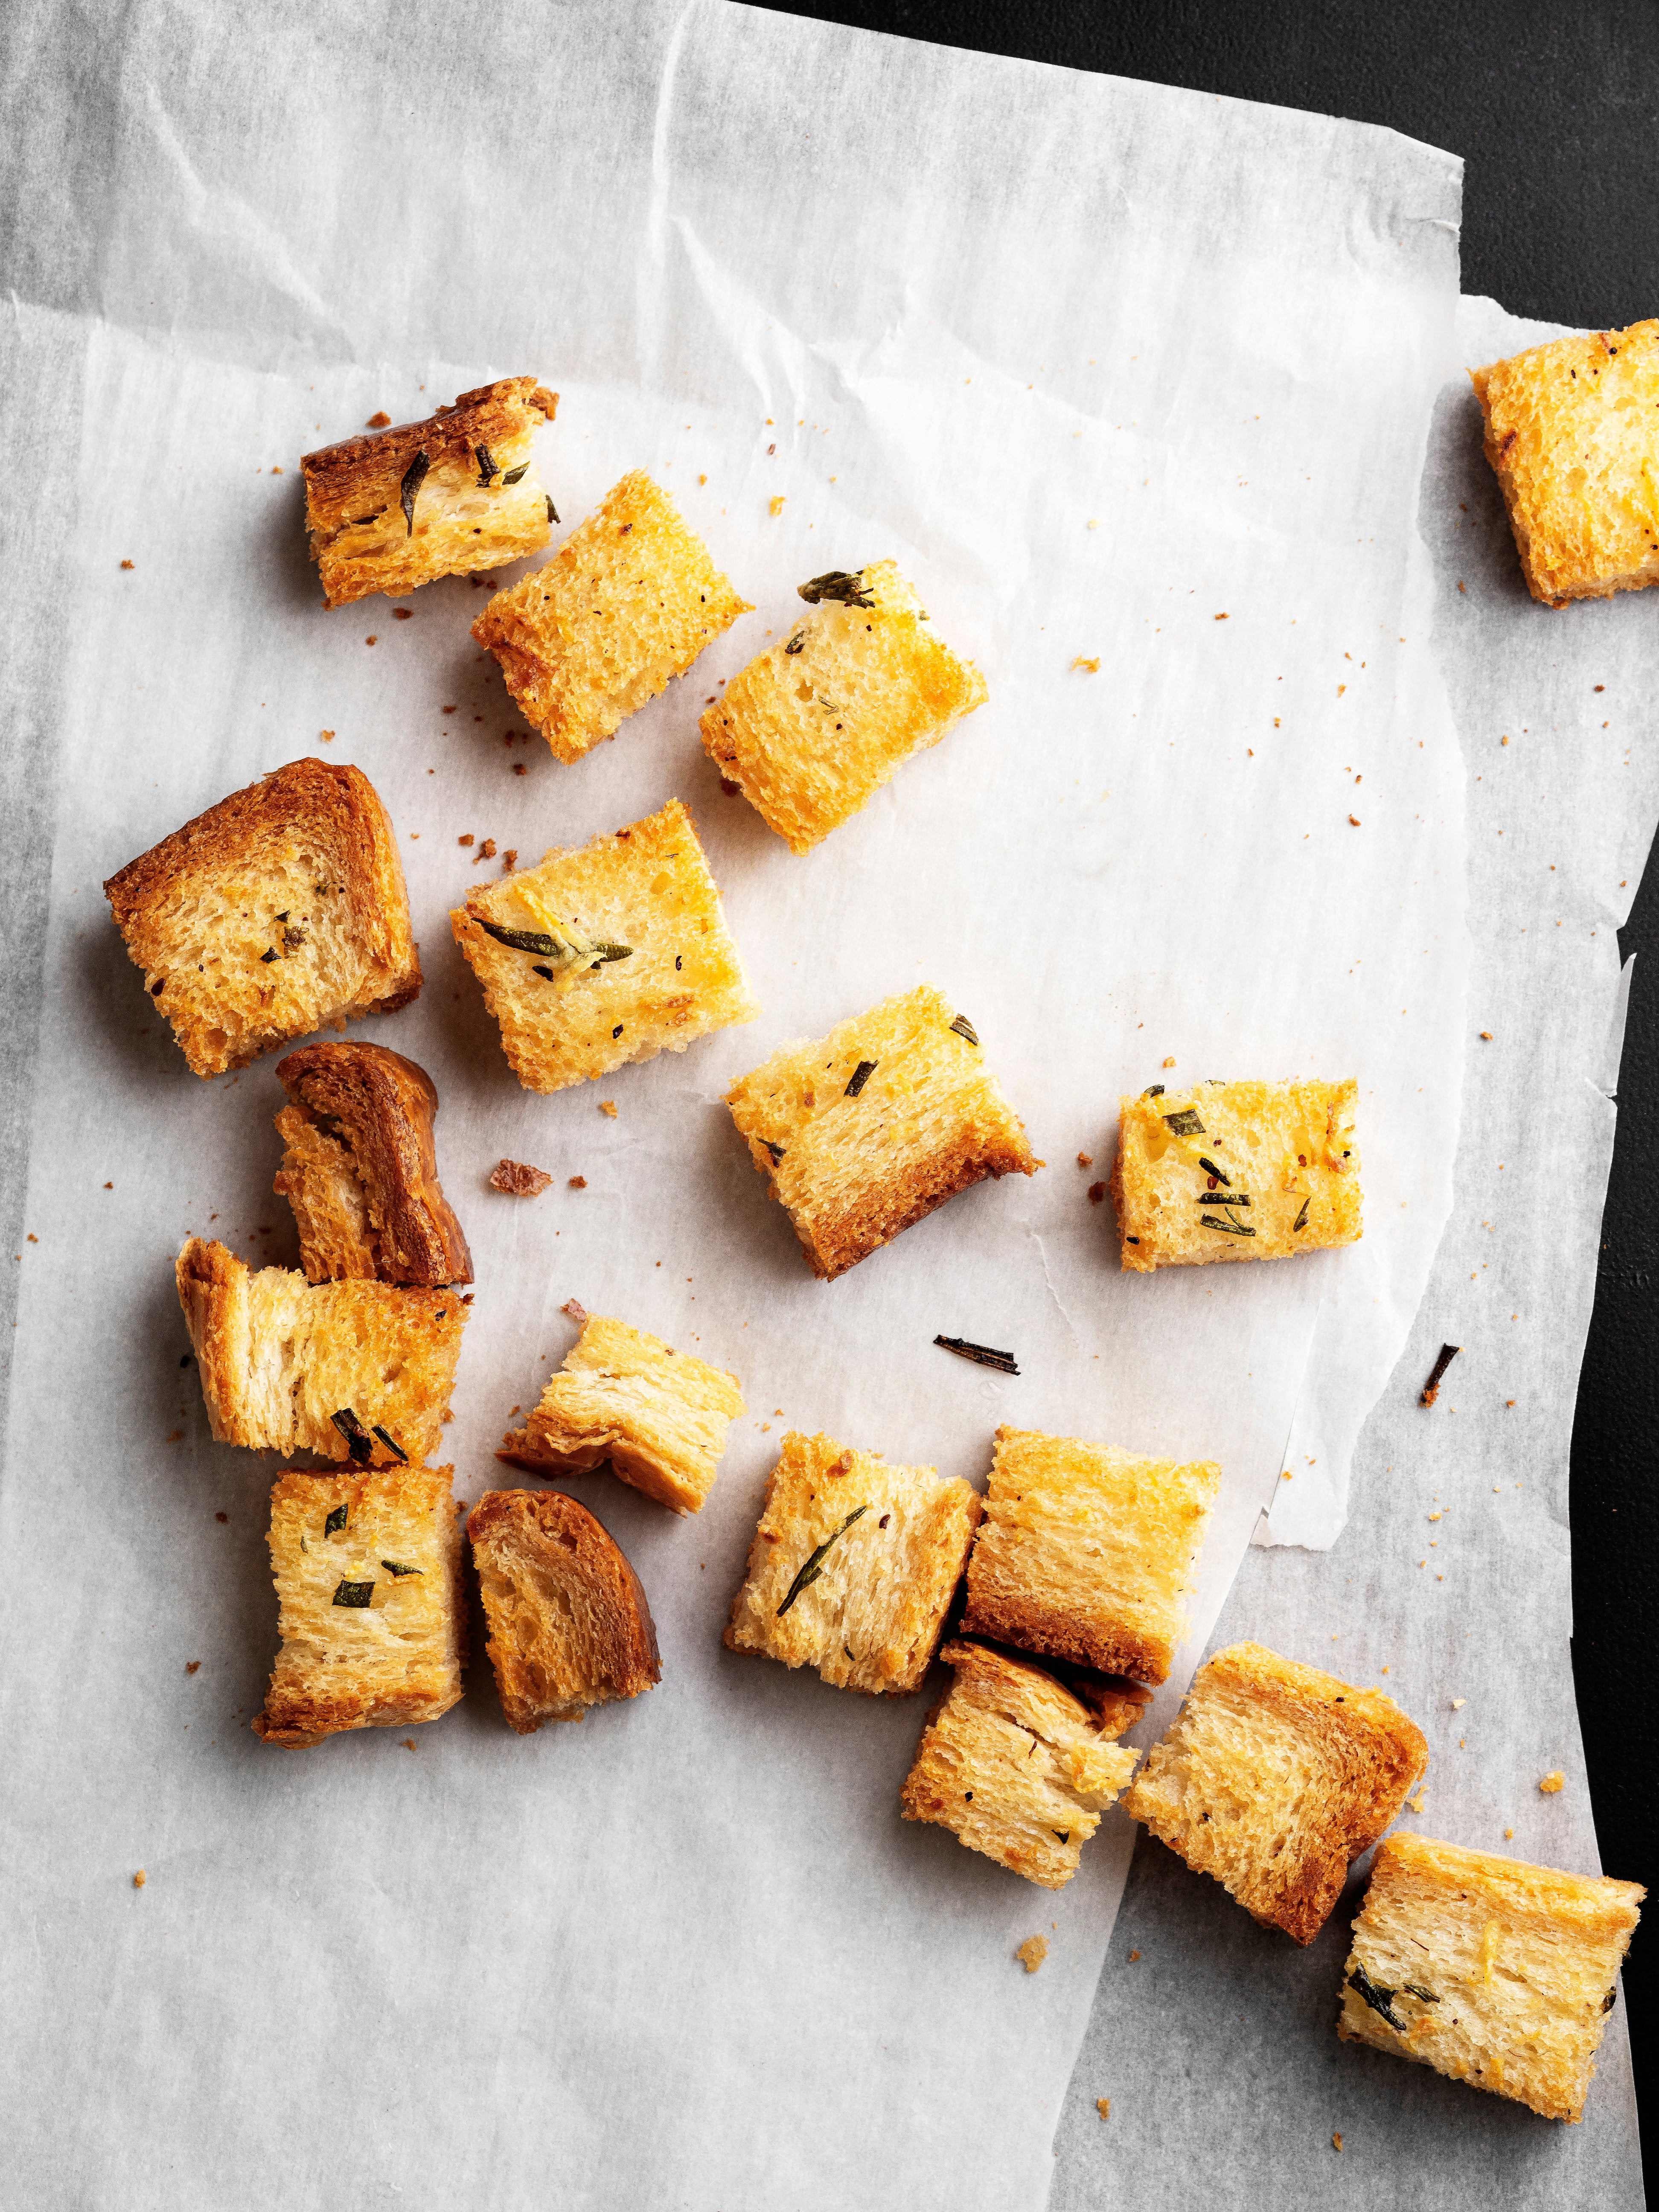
353 1594
1431 1387
392 1445
1227 1228
980 1354
1300 1221
567 950
1380 2000
814 1567
862 1075
513 475
965 1028
837 584
414 476
359 1443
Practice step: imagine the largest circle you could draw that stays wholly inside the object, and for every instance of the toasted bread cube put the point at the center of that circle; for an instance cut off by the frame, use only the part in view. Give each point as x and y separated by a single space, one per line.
1086 1551
1015 1765
1236 1171
370 1608
813 727
1273 1777
281 910
862 1133
361 1169
1495 1972
853 1566
657 1415
605 955
1573 434
350 1370
626 603
390 509
568 1623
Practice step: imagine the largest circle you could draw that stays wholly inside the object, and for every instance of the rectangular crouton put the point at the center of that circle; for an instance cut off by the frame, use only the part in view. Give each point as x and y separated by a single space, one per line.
1236 1171
1573 434
1086 1551
361 1169
568 1623
1273 1777
853 1566
626 603
657 1415
349 1370
862 1133
1495 1972
390 509
813 727
370 1610
1015 1765
605 955
281 910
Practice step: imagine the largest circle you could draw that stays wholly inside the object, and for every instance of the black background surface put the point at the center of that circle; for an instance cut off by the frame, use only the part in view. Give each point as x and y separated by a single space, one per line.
1555 114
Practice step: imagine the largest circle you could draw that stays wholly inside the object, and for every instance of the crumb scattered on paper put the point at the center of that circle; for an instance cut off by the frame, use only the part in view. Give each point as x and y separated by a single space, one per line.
1553 1783
518 1180
1032 1952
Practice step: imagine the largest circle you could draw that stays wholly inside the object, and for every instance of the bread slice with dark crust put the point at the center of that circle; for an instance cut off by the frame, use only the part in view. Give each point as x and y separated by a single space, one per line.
569 1623
281 910
361 1169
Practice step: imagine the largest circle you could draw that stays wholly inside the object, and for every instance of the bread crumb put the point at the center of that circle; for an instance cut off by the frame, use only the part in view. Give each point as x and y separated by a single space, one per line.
378 420
1458 1703
509 859
776 504
1221 617
1097 1193
1092 666
1032 1952
519 768
518 1180
578 1313
487 850
1417 1803
1169 1062
1486 1037
1104 2106
408 1743
466 839
402 613
1553 1783
1085 1159
192 1665
274 471
608 1106
221 1517
1509 1835
1134 1955
126 564
579 1183
140 1878
449 710
371 640
1336 2140
702 480
1354 819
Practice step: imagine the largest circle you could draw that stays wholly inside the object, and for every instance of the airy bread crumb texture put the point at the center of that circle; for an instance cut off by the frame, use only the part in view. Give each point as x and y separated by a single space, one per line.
862 1133
1237 1171
1015 1765
1572 433
853 1566
626 603
391 509
568 1624
659 1416
1495 1972
1273 1777
373 1625
811 729
648 888
281 910
279 1357
1087 1551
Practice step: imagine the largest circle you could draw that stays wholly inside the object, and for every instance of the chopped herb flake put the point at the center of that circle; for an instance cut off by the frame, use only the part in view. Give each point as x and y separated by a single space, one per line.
1184 1122
1229 1228
965 1028
1431 1387
359 1443
414 476
552 511
1153 1091
1232 1198
776 1151
1210 1168
568 947
980 1354
513 475
1418 1991
273 954
400 1567
1300 1221
836 584
487 468
814 1566
353 1594
392 1445
1381 2000
796 643
862 1075
336 1521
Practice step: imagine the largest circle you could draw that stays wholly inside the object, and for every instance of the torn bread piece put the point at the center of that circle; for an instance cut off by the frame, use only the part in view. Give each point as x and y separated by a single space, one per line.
1088 1552
626 603
659 1416
568 1623
1273 1777
370 1608
811 729
351 1370
1572 435
1236 1171
608 954
391 509
863 1132
1495 1972
361 1169
853 1566
281 910
1015 1765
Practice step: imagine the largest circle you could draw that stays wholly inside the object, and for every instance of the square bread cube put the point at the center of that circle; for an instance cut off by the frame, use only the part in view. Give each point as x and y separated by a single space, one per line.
605 955
1273 1777
1573 434
813 727
657 1415
853 1566
1495 1972
862 1133
568 1623
1236 1171
626 603
1015 1765
370 1608
1087 1551
281 910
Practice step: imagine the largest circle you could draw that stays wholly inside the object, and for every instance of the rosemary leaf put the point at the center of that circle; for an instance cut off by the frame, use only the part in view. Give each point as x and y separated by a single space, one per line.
1228 1228
814 1567
1184 1122
513 475
336 1522
1431 1387
980 1354
399 1568
862 1075
796 643
1215 1197
1380 2000
1418 1991
487 467
392 1445
1153 1091
965 1028
359 1443
837 584
353 1594
552 511
414 476
776 1151
1300 1221
1210 1168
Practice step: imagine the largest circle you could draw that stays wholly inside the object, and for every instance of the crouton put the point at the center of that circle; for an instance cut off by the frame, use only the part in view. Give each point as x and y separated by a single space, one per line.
626 603
1236 1171
1273 1777
370 1610
568 1623
391 509
862 1133
279 911
605 955
811 729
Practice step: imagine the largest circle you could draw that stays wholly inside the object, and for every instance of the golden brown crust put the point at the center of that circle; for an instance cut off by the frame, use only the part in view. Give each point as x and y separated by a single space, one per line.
1033 1626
